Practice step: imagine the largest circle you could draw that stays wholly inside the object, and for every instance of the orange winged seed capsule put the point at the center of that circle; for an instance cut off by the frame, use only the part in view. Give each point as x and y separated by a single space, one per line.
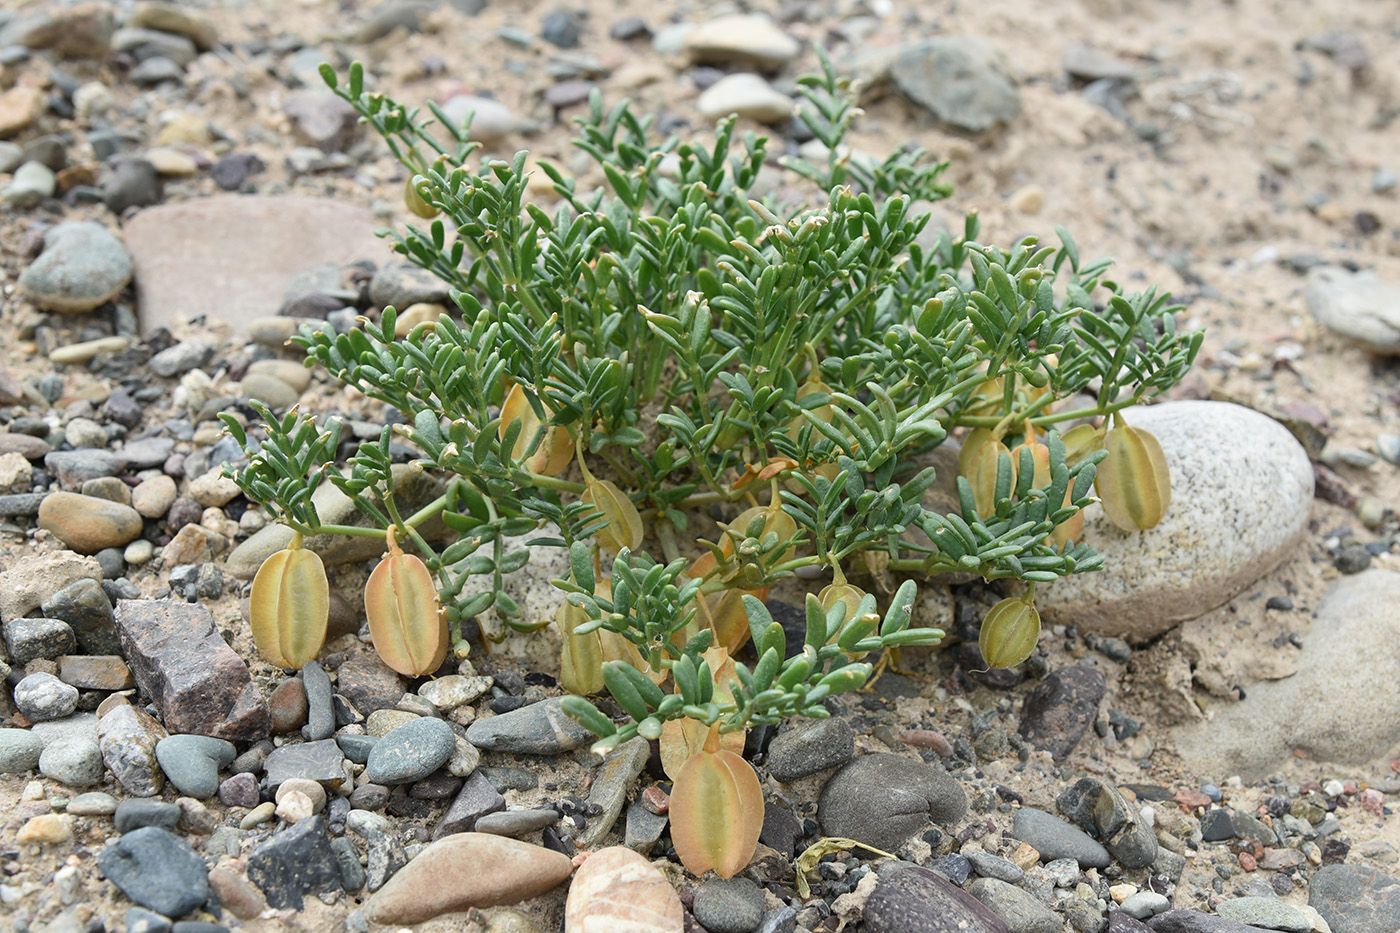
406 621
716 811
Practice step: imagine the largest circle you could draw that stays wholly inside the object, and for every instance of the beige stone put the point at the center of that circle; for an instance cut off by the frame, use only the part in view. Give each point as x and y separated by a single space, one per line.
293 373
19 107
213 489
617 890
87 524
179 266
154 497
486 871
47 829
193 544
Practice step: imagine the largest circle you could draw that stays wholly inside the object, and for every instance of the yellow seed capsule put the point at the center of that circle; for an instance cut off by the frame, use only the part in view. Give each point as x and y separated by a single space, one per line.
624 527
685 737
716 811
406 621
290 606
416 203
1081 441
988 398
580 656
834 593
1133 482
982 474
556 449
1010 632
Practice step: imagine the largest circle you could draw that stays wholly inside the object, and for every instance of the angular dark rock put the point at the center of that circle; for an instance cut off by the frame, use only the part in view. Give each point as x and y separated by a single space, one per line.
916 900
200 684
157 870
477 798
1061 709
1356 899
294 863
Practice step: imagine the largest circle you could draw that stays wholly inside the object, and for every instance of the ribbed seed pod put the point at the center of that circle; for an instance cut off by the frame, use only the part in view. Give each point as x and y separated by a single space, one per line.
1010 632
406 621
1133 482
556 449
580 656
842 592
1080 441
716 811
982 474
975 440
987 399
683 738
289 606
624 527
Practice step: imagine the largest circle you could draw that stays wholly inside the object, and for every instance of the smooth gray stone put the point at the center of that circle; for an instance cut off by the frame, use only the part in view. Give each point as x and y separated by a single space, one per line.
411 752
538 729
1053 838
192 762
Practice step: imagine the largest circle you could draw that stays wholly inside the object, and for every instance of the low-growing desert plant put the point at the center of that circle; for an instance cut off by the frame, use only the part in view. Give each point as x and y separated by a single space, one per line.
666 344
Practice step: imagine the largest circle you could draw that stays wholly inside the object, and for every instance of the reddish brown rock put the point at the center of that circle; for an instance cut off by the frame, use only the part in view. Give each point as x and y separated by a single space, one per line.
95 672
201 685
288 706
369 684
486 871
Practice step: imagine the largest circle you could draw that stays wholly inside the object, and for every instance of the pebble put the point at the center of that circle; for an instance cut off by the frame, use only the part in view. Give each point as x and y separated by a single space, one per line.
88 524
19 106
357 747
538 729
87 609
1053 838
734 905
32 183
1356 305
83 265
963 81
617 889
29 639
608 793
883 799
192 762
241 790
993 866
134 813
516 823
42 696
74 762
92 803
258 815
201 685
95 672
133 183
19 751
1355 898
1145 904
127 737
181 358
294 863
1101 810
153 497
320 715
740 40
561 28
746 94
157 870
487 871
287 704
317 761
1062 707
1021 911
477 798
45 829
454 690
1267 912
916 900
271 391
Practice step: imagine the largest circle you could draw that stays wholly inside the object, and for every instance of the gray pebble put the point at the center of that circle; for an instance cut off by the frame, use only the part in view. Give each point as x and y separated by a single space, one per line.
883 799
28 639
42 696
133 183
19 751
192 762
732 906
181 358
1053 838
93 803
994 866
156 870
1022 912
803 750
320 716
1267 912
411 752
538 729
32 183
136 812
82 266
516 822
75 762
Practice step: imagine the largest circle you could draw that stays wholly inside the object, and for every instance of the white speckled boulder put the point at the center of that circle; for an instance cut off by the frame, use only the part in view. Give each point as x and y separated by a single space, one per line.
1241 490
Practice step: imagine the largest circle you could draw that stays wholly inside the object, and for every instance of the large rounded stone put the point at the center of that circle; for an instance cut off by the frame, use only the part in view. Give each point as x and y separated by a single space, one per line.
1241 490
1340 705
1357 306
486 871
88 524
82 266
882 800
